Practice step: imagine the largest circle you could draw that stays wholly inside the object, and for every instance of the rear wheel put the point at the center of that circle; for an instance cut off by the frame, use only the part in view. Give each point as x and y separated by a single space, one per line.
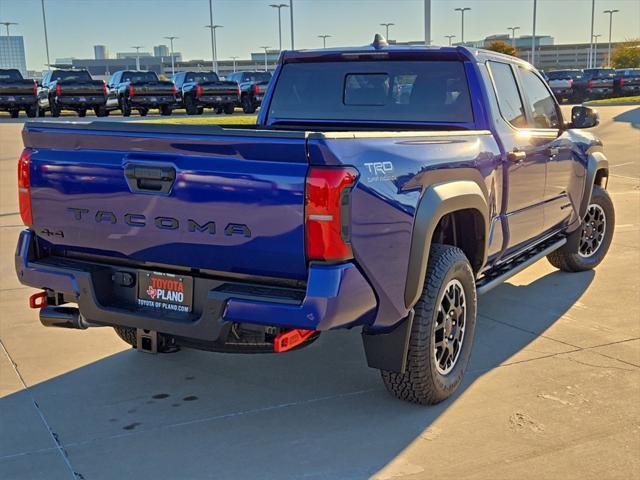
190 106
587 246
101 111
125 107
143 112
31 111
247 105
229 109
55 109
442 331
82 113
41 112
14 113
165 110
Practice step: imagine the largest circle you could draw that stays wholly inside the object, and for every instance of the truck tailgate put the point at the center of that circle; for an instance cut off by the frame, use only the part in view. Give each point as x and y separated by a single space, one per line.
180 196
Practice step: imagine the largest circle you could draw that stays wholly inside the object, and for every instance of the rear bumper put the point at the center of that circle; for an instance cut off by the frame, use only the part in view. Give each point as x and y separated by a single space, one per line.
562 92
151 100
216 100
17 101
336 296
81 101
628 90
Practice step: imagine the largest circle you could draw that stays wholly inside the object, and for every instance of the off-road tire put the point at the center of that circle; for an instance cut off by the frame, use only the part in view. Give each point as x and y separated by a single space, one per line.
143 112
190 106
125 107
128 335
15 113
229 109
101 111
82 113
567 258
422 382
165 110
247 105
31 111
54 109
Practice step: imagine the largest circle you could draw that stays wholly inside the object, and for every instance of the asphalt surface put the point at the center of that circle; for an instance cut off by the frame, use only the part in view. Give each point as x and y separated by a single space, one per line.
553 388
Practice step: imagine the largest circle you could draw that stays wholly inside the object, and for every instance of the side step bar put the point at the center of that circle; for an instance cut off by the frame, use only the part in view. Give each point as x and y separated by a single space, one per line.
517 265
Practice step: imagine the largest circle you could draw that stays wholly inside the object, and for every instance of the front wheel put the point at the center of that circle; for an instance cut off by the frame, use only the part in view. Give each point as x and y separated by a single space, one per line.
125 107
82 113
15 113
229 109
101 111
31 111
247 105
190 106
442 331
588 245
165 110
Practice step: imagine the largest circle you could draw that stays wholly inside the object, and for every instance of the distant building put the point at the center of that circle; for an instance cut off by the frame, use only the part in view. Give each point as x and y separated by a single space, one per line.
132 54
100 52
12 53
160 51
520 42
572 55
64 60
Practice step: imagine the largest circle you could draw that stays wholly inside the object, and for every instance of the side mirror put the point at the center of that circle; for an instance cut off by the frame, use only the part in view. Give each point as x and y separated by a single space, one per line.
584 117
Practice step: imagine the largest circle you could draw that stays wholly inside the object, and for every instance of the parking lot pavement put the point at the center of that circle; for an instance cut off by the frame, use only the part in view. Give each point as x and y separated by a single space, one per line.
553 389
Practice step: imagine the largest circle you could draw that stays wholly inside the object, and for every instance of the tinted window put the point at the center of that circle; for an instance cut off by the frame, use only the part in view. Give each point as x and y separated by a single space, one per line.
373 91
509 101
256 77
541 102
600 73
202 77
10 75
70 76
135 77
563 75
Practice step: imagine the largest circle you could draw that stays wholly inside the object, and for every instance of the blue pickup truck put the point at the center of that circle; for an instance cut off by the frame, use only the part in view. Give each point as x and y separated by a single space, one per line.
382 188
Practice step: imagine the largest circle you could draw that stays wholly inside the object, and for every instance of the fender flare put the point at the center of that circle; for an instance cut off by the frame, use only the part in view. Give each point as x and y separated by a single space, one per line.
596 162
437 201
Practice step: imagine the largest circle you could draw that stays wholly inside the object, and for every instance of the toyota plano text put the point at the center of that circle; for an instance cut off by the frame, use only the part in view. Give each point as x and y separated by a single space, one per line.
383 188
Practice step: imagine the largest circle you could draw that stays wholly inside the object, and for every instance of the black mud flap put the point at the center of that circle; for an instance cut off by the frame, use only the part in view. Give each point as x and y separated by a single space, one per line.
388 351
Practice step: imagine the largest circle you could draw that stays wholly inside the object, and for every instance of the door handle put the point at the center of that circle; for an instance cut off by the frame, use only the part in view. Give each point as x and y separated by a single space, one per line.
516 156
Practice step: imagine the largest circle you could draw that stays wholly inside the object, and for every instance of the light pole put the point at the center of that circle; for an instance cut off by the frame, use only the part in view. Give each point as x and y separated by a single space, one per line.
291 17
593 17
266 67
46 39
234 63
595 50
8 24
173 66
427 22
513 35
215 45
324 40
214 63
462 10
387 25
279 6
533 37
449 37
137 47
610 12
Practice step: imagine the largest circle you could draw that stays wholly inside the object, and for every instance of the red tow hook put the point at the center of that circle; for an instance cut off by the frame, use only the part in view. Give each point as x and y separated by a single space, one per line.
38 300
285 341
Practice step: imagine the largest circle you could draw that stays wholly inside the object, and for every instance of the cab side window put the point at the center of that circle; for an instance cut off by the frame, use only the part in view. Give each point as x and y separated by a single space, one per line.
506 89
543 107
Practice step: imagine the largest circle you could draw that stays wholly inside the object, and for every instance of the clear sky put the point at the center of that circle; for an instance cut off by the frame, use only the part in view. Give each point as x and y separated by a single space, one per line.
74 26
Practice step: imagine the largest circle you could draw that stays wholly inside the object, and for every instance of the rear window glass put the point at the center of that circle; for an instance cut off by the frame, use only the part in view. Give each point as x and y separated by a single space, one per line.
256 77
70 76
139 77
562 75
393 91
10 75
202 77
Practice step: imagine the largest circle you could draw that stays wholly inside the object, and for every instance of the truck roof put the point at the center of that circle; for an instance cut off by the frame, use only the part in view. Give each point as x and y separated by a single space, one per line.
380 48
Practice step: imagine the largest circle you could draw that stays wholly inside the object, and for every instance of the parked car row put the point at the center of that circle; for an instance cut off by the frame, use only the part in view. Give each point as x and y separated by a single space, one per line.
127 91
577 86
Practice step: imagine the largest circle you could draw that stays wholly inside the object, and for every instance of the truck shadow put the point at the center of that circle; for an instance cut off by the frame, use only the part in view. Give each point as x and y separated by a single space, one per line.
318 412
631 116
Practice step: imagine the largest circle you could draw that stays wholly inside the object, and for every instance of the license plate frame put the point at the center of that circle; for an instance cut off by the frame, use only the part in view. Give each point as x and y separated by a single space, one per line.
167 292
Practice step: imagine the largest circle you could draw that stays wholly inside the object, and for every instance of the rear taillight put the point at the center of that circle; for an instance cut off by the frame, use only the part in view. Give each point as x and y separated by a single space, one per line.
327 235
35 88
173 89
590 84
238 92
570 83
58 90
256 89
198 91
132 91
622 82
24 187
104 88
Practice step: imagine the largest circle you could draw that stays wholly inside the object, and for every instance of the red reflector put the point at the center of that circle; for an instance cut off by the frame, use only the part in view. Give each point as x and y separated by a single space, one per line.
38 300
132 91
287 340
24 187
326 213
104 88
198 91
174 90
622 82
590 84
58 90
35 88
256 89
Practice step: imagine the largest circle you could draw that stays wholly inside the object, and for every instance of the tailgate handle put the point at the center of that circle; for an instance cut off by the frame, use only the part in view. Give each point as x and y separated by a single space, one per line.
150 178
